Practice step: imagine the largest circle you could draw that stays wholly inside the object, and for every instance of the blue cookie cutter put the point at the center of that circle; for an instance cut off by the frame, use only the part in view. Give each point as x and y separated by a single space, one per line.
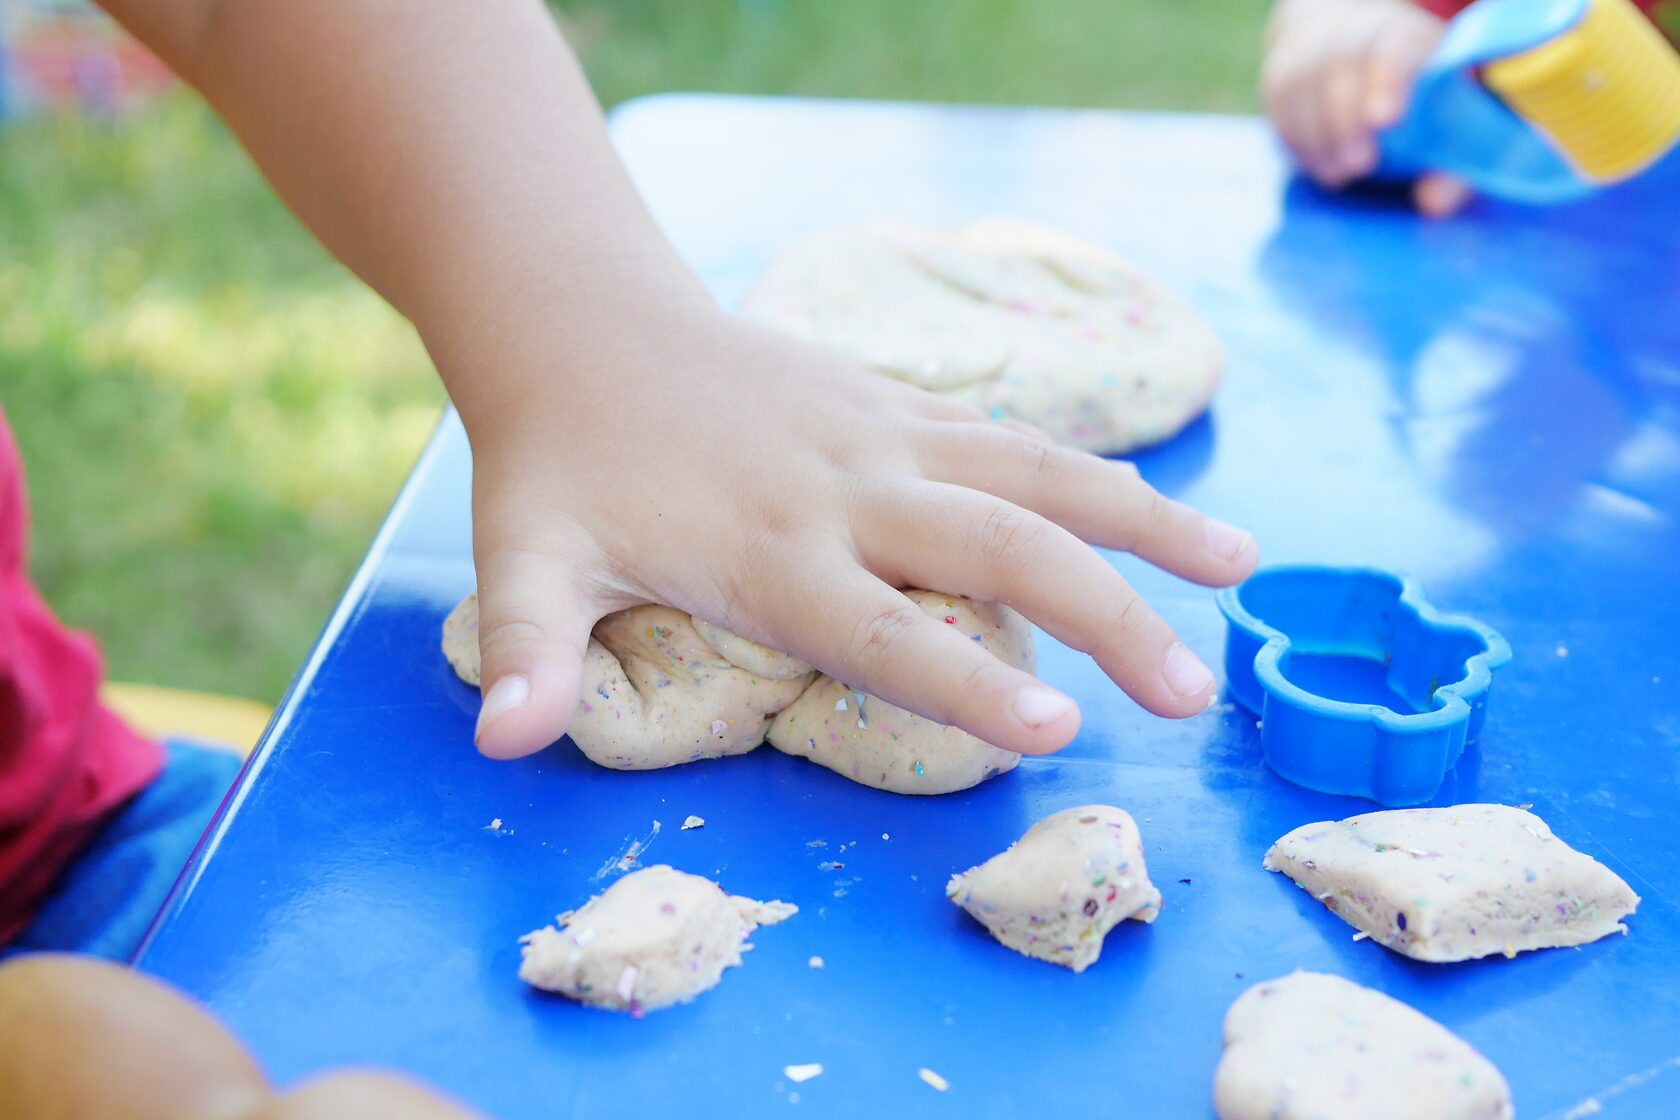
1361 686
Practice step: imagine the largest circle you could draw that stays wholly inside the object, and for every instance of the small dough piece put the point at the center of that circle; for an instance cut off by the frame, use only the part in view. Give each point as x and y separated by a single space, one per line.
1056 892
1316 1047
1456 883
1021 320
661 688
656 937
880 745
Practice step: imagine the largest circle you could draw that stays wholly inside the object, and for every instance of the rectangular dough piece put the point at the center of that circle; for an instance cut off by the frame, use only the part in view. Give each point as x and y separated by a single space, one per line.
1455 883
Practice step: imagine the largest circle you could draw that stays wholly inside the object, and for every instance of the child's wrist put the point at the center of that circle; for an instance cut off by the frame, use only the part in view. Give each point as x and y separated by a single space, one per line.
507 356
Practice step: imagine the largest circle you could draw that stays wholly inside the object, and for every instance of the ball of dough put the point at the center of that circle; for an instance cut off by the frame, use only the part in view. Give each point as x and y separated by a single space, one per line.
1455 883
656 937
873 742
1310 1045
1023 321
662 688
1056 892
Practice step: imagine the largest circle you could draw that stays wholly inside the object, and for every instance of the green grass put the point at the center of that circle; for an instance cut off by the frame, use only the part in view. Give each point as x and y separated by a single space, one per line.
215 415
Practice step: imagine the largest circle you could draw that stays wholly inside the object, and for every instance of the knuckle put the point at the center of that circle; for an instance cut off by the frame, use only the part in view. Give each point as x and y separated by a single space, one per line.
1130 614
1157 512
1134 614
1038 459
505 640
1009 537
878 635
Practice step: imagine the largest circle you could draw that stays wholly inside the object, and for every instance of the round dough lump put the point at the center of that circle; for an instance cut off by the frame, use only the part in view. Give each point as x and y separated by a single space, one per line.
1018 319
662 688
1057 891
656 937
1310 1046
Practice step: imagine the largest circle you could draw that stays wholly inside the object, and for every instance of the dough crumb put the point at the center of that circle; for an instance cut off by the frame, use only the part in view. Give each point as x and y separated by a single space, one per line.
1315 1045
656 937
692 821
933 1079
1455 883
494 826
815 962
802 1073
1057 891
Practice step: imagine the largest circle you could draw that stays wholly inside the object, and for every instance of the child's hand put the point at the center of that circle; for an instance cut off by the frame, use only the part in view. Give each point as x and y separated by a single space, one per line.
778 490
630 442
1336 72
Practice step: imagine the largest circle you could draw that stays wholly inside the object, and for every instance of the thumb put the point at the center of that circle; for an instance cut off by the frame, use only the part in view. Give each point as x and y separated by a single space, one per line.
533 629
1439 195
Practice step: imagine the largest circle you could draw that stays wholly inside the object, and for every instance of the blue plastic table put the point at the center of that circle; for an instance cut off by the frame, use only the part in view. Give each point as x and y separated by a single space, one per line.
1492 404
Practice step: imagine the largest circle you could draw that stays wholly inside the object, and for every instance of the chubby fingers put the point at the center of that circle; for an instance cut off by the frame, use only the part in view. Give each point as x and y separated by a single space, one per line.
859 630
1098 500
959 540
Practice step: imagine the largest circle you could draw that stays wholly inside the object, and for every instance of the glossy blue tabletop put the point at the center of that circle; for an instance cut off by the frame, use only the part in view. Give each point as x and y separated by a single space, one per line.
1491 404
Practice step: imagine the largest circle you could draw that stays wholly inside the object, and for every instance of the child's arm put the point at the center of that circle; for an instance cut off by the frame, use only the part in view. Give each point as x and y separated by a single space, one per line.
631 442
1336 72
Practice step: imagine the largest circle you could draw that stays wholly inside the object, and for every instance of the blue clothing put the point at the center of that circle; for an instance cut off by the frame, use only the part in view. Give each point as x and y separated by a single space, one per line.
105 901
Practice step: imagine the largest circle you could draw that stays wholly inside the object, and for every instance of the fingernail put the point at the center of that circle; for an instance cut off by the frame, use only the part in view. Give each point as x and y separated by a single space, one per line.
1226 541
1184 671
1036 706
504 696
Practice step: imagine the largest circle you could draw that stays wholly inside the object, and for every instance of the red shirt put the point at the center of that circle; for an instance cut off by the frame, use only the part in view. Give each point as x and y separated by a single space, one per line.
65 762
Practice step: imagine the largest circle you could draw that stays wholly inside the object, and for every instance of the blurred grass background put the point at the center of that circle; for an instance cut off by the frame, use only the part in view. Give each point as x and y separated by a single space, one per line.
214 415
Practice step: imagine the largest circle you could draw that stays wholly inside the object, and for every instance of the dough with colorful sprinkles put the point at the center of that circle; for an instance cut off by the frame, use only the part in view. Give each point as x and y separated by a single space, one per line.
1057 891
661 688
656 937
1311 1046
1455 883
880 745
1024 321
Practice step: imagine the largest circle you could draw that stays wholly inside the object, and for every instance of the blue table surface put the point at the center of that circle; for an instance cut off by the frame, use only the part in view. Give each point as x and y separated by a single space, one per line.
1491 403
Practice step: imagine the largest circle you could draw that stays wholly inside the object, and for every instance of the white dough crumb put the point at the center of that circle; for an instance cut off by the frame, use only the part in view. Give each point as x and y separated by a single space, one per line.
1562 650
840 704
693 822
1361 935
933 1079
815 962
884 836
802 1073
494 826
